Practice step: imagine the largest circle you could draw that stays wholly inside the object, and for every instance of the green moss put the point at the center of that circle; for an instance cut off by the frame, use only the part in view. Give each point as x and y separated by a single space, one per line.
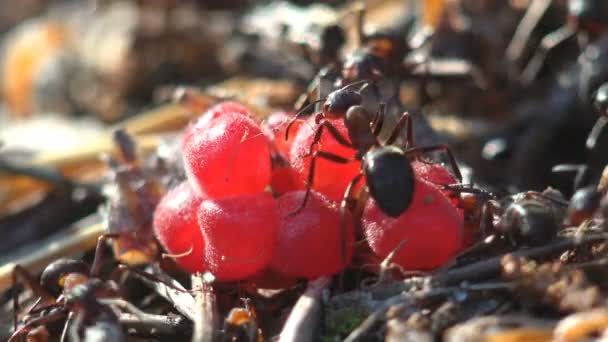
339 323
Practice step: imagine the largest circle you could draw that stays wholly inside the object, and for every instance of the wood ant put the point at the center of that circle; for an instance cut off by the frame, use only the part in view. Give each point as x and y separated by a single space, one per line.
69 290
586 21
381 161
383 55
528 218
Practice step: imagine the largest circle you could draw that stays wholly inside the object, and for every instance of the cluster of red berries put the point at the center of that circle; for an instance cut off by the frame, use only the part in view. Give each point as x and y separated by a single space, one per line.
234 215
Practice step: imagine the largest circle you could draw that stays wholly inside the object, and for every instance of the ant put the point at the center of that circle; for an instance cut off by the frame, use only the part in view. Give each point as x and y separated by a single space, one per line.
527 218
68 289
600 100
384 55
586 21
380 161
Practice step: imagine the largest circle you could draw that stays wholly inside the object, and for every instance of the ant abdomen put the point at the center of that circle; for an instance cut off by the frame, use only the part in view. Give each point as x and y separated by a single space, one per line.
390 179
54 275
529 222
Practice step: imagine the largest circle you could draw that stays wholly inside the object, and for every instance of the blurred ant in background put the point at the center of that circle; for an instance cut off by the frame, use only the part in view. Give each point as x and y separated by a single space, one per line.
68 290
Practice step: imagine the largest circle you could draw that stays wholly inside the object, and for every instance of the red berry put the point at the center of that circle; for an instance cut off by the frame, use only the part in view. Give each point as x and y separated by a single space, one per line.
177 229
229 156
240 232
284 177
433 172
214 112
275 126
431 227
330 178
309 244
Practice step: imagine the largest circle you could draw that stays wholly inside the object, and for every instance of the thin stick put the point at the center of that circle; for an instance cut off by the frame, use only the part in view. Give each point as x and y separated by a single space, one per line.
305 318
206 324
40 254
181 299
491 267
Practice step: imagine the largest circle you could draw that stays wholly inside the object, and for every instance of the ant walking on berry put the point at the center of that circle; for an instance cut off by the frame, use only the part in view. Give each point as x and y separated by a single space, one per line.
387 167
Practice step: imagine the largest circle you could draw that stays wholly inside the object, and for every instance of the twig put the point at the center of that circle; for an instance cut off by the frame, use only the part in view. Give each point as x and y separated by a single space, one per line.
491 267
40 254
411 298
181 299
145 322
305 317
206 320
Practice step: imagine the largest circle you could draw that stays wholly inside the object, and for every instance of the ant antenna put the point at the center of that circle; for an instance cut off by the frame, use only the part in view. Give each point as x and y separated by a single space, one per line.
596 131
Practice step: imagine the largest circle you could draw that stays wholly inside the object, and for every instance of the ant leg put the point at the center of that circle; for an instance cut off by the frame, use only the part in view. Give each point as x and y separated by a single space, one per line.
149 276
596 131
378 121
100 254
311 173
580 170
343 207
404 120
32 284
490 209
341 139
299 114
442 147
43 320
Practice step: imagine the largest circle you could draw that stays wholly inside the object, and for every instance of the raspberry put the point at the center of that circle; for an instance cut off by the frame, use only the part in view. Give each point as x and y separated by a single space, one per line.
275 126
431 227
227 156
309 244
330 179
177 229
240 232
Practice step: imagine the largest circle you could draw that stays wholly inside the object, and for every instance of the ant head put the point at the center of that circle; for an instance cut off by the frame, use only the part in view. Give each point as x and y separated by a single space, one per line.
56 273
600 99
583 205
339 101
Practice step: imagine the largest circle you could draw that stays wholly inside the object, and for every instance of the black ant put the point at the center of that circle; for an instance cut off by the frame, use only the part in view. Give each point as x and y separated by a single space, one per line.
387 168
67 290
586 21
383 55
601 104
583 205
528 218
